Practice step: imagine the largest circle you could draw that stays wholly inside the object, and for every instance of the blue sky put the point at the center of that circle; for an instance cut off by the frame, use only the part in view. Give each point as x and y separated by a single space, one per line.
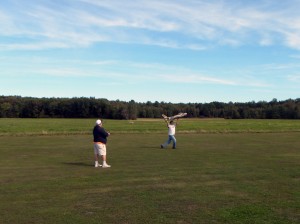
151 50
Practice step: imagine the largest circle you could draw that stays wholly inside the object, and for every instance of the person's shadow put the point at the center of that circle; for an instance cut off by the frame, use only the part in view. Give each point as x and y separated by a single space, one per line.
78 164
151 147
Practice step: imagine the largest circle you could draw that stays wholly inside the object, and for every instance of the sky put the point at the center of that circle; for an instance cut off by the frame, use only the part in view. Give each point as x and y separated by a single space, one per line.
178 51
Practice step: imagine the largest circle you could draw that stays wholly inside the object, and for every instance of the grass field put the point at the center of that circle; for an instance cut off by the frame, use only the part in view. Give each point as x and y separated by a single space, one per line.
245 172
83 126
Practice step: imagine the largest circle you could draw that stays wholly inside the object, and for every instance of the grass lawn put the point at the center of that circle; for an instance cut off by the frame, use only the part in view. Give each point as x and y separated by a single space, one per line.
28 126
211 178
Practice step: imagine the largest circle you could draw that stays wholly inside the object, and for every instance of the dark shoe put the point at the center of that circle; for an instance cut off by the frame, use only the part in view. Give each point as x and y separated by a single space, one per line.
161 146
174 148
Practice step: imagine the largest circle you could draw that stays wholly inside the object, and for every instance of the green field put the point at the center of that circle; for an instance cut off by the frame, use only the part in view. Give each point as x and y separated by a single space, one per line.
224 171
83 126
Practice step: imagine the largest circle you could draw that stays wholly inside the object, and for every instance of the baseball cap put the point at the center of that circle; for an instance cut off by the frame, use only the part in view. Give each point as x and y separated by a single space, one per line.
98 122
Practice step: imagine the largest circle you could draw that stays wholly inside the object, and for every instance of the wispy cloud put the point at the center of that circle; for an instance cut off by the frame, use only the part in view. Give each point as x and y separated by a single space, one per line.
134 73
195 79
280 66
34 46
193 24
294 78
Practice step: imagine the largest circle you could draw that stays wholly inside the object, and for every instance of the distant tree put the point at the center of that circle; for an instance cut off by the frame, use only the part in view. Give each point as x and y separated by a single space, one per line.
132 110
16 106
5 109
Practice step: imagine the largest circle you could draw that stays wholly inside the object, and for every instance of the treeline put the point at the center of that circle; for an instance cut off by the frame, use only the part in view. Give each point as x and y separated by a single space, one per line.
29 107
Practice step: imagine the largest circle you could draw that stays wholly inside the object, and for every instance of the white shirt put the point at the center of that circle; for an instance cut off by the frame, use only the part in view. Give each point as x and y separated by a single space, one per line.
171 129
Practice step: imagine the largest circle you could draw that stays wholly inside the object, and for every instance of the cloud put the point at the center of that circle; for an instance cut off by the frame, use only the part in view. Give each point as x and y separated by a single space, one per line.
279 66
193 25
34 46
294 78
293 40
195 79
126 72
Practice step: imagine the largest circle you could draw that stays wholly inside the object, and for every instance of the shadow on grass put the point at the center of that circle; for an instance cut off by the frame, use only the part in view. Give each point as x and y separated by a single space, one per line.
151 147
78 164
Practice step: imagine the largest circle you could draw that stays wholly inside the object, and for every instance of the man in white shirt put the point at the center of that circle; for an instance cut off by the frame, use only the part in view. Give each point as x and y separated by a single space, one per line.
172 127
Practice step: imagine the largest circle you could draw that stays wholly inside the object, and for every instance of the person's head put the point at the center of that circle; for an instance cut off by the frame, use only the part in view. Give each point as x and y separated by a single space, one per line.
171 122
99 122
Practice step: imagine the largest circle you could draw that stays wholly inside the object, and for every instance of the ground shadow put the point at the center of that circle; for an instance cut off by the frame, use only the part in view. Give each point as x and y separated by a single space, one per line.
78 164
151 147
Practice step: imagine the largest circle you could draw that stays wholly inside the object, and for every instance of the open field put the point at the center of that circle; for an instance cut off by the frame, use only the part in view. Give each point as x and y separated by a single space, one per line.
28 126
217 175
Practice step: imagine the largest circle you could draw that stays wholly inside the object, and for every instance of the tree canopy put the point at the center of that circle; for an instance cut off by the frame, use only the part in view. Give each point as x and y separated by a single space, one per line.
83 107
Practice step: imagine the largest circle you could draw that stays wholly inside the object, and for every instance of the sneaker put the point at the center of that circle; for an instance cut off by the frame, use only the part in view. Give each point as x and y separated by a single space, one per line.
98 165
161 146
106 166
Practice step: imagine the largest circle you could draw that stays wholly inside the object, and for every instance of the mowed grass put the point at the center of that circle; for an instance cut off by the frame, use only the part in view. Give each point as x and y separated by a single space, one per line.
12 126
215 177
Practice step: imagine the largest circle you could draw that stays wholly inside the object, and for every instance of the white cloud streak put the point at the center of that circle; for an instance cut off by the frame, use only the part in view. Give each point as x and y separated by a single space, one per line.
133 73
294 78
193 24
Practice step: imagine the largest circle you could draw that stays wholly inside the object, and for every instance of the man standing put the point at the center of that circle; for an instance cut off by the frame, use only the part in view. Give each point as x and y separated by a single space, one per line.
171 126
100 140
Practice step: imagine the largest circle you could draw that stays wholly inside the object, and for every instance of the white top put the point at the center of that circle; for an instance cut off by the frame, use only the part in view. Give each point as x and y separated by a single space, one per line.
171 129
